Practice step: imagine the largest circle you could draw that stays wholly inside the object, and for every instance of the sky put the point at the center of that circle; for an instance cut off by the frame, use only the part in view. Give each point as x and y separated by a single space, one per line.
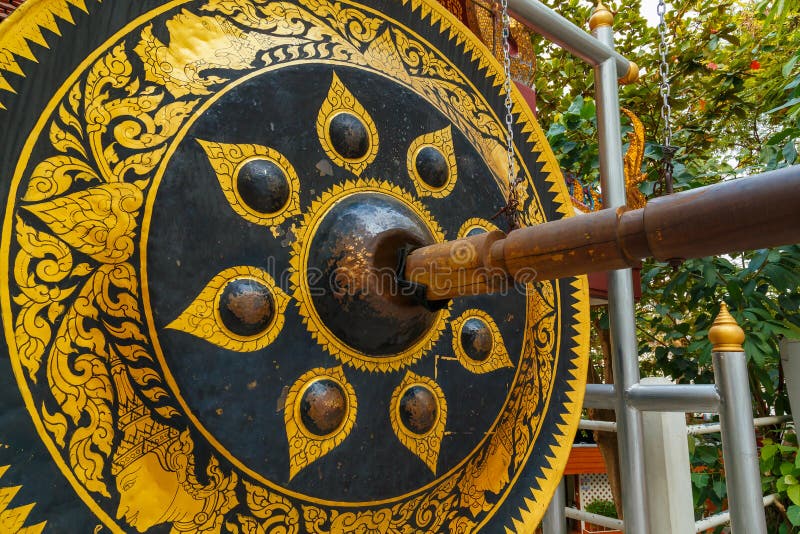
650 11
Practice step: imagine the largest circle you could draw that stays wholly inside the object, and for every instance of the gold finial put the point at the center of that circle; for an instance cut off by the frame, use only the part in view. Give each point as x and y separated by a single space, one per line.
632 75
725 334
601 16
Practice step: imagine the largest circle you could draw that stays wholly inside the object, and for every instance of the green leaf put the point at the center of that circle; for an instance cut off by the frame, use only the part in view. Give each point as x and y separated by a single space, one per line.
793 492
786 70
720 489
793 513
768 451
700 480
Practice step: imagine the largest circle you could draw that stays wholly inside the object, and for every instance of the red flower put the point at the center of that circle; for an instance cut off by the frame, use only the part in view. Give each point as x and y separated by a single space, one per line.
712 66
755 65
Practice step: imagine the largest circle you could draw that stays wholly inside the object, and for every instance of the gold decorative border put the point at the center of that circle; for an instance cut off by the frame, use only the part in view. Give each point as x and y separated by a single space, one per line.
498 357
476 223
463 41
442 141
202 318
13 519
425 446
227 159
341 100
306 447
24 26
301 249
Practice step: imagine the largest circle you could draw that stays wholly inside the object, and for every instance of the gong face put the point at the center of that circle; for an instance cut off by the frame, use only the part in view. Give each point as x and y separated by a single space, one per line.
200 239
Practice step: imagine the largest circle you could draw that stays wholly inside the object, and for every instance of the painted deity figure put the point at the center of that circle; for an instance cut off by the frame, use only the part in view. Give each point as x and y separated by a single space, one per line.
488 473
155 472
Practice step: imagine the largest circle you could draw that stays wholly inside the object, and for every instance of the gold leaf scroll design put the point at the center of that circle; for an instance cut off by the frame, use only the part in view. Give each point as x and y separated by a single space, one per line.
202 319
341 100
492 470
40 267
498 357
99 221
442 141
78 373
301 249
425 446
468 46
333 31
305 447
276 32
228 159
429 512
13 519
269 513
475 223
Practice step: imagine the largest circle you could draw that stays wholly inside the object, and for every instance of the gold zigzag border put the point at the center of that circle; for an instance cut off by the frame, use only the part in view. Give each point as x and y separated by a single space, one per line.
12 520
536 503
24 26
533 507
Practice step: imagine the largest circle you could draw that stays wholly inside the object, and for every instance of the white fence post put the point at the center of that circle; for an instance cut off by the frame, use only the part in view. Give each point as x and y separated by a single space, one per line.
667 470
790 361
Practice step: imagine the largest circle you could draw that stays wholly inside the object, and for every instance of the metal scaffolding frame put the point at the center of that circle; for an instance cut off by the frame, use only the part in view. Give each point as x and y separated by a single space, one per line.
627 397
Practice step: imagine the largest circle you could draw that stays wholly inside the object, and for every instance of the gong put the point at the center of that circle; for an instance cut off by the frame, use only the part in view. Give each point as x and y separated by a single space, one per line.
205 204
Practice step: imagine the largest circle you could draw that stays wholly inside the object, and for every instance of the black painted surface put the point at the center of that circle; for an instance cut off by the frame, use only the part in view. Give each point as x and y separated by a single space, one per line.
194 235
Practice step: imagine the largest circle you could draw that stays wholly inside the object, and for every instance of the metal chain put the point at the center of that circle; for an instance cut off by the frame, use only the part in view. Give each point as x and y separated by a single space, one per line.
664 88
510 210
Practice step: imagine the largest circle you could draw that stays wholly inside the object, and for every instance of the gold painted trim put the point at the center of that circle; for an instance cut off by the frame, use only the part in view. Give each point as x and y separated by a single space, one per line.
301 249
439 16
340 100
476 223
202 317
228 159
305 447
498 357
442 142
425 446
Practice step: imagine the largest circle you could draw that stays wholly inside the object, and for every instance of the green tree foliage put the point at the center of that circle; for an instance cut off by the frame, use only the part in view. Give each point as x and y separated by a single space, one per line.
735 98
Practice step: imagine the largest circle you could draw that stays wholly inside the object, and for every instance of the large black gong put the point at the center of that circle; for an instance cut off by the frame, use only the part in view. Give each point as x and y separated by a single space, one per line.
204 203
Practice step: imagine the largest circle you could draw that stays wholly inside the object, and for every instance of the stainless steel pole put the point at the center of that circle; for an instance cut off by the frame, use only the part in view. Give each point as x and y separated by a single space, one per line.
600 396
736 426
568 36
555 519
684 398
624 345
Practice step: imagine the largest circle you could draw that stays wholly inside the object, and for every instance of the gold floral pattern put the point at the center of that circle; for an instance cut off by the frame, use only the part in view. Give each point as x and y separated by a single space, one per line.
73 247
306 446
202 317
497 357
442 142
228 159
339 101
427 444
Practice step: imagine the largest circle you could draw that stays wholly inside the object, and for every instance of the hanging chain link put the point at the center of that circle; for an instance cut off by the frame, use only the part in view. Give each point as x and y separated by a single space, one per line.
510 209
666 110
